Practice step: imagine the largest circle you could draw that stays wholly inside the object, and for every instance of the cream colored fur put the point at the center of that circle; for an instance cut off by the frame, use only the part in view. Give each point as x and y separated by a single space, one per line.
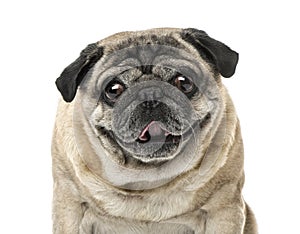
205 199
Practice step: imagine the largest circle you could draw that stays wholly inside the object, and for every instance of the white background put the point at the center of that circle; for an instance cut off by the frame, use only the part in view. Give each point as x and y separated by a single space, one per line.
40 38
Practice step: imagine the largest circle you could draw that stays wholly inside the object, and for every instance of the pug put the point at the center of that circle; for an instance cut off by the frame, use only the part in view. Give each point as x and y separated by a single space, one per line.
147 140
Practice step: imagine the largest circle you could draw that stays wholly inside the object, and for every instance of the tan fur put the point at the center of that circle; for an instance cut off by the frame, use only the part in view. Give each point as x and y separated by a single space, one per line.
205 199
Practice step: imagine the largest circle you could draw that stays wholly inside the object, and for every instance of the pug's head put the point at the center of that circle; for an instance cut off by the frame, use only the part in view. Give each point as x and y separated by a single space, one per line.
150 98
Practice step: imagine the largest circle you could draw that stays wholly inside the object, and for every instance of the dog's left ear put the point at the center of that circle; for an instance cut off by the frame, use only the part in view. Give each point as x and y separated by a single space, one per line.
73 74
221 56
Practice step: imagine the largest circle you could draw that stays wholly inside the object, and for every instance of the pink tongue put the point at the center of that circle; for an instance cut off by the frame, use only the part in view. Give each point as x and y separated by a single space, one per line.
154 129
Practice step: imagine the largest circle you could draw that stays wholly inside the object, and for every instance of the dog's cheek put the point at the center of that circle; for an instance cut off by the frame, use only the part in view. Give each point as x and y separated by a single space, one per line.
102 117
200 105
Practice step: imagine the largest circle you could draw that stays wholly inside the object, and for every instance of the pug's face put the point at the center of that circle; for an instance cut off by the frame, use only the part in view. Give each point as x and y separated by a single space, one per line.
150 102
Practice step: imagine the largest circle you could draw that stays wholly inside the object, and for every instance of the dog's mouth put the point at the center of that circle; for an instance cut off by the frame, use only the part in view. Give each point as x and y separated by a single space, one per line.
155 142
156 132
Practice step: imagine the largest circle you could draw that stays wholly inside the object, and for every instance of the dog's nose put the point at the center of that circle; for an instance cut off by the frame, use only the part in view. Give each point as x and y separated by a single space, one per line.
150 96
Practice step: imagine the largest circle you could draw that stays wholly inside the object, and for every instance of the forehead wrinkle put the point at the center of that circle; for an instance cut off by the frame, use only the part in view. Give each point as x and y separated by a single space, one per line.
165 73
130 75
138 57
116 68
171 62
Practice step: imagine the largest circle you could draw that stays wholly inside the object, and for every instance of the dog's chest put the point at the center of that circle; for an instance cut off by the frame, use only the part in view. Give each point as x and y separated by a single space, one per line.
95 224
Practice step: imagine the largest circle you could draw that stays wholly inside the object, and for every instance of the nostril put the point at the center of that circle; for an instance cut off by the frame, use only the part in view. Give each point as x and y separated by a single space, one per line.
154 103
145 104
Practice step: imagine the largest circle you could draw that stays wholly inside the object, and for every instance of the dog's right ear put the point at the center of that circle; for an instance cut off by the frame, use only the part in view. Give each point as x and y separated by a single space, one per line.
216 53
73 74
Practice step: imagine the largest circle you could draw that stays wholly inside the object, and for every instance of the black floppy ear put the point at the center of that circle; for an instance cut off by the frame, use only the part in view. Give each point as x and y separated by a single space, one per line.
221 56
73 74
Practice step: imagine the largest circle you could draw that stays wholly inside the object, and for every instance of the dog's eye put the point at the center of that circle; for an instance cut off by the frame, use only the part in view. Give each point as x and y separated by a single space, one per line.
113 91
184 84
